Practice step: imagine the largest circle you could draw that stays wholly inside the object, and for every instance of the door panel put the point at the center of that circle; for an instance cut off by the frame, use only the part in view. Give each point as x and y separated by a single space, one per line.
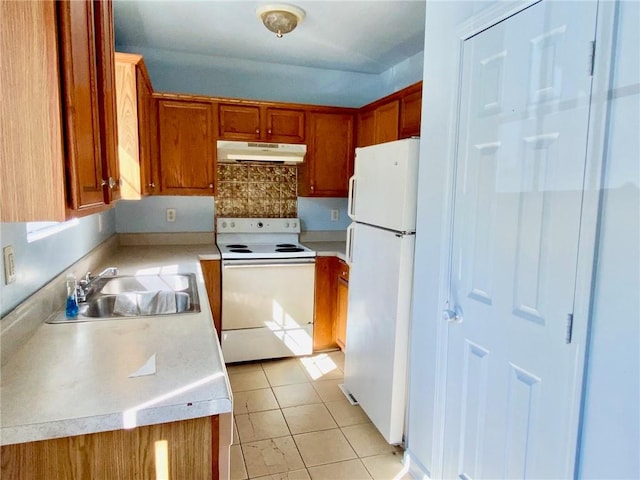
512 380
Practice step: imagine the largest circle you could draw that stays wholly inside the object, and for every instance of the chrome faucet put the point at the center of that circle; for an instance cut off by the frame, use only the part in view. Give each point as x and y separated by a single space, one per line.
85 285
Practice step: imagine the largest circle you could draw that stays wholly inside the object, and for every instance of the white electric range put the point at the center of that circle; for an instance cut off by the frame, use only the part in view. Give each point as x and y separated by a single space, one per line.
268 283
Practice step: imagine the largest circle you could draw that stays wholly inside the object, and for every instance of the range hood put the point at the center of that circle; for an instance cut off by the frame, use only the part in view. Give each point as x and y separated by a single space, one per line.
283 153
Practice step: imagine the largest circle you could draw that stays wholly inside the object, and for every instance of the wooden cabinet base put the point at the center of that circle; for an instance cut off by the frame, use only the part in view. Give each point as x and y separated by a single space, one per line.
185 449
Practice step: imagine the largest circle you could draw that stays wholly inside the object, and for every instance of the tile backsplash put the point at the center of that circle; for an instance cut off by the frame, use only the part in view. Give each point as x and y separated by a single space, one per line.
249 190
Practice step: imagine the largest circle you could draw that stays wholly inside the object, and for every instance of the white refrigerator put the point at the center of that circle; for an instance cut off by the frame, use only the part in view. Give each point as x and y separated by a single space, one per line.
380 246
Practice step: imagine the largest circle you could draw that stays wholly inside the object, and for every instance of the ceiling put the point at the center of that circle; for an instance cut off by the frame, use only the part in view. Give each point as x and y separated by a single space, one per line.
357 36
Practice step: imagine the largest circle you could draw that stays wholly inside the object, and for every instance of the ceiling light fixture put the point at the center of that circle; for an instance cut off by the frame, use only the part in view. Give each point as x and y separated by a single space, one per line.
280 18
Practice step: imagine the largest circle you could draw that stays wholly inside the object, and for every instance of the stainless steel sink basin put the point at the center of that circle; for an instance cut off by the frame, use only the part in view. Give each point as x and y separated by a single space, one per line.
136 296
144 283
107 306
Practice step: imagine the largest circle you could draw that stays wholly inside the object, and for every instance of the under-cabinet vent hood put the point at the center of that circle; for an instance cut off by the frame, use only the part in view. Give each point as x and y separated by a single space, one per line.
285 153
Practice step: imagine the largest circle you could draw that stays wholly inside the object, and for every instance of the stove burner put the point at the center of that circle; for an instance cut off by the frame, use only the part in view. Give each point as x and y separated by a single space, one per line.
290 249
236 245
240 250
286 245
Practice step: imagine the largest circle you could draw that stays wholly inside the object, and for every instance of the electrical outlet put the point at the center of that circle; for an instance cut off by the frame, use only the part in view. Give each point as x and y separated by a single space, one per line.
171 214
9 265
335 215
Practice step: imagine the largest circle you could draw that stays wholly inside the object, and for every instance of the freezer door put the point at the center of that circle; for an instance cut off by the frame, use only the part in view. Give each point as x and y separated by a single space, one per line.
383 189
380 281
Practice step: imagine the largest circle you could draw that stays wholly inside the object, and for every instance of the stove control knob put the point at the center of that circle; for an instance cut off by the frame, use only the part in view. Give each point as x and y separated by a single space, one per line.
260 224
224 224
286 225
294 224
232 224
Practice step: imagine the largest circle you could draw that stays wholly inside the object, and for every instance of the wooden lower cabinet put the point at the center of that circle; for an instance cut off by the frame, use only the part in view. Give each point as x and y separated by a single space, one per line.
331 298
188 449
211 270
342 303
324 334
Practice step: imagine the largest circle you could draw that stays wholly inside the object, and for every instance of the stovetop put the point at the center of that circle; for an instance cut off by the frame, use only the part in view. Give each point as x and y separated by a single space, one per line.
255 238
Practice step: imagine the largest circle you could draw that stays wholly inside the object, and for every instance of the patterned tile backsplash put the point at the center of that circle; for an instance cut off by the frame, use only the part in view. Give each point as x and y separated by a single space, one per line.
245 190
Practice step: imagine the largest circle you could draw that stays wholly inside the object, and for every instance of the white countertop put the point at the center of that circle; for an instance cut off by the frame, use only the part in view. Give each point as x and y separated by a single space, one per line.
71 379
328 249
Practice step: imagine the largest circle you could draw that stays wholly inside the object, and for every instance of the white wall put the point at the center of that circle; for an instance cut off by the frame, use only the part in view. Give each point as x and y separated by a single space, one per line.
222 77
39 261
610 438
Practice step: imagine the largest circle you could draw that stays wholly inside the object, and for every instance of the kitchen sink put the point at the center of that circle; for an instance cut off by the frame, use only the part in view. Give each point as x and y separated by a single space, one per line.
136 296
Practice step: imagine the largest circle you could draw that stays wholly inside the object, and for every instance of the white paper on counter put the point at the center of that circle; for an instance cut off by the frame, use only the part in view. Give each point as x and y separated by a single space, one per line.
149 368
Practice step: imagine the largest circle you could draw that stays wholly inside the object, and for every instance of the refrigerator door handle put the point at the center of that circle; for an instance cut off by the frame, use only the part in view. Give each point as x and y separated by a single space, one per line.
350 243
351 201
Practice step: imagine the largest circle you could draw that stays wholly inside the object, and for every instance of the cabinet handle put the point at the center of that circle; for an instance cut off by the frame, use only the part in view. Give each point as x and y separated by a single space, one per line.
112 183
103 182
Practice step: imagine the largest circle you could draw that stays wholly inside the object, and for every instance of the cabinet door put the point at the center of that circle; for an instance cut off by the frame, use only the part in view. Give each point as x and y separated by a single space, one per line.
134 107
410 110
186 147
366 128
239 122
213 282
128 135
329 161
86 178
146 132
386 122
105 63
32 164
341 315
284 126
324 323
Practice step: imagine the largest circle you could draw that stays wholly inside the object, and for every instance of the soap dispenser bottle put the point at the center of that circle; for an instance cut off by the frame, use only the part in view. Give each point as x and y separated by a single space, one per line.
72 297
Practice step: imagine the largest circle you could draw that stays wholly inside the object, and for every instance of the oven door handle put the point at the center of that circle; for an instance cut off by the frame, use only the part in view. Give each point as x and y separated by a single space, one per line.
267 263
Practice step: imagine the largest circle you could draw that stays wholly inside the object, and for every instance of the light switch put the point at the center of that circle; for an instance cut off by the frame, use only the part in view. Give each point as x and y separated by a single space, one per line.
9 265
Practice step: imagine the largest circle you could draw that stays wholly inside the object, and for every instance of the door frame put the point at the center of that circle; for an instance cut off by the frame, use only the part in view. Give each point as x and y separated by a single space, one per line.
438 147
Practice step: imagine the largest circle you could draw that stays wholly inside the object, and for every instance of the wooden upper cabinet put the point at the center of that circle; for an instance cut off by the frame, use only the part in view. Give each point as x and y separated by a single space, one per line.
410 111
366 128
330 150
239 122
391 118
105 62
187 149
386 122
135 110
32 181
86 48
260 123
284 126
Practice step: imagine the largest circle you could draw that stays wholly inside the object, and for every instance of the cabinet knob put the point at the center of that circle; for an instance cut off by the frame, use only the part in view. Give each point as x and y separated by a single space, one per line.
103 182
152 185
112 183
257 131
211 185
312 187
269 131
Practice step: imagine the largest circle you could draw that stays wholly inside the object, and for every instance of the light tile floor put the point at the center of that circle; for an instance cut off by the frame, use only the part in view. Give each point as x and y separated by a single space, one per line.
293 422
